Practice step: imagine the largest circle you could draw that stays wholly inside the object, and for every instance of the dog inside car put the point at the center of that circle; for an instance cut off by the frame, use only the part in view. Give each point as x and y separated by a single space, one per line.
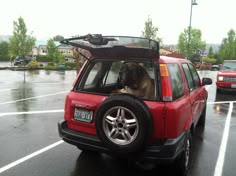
136 81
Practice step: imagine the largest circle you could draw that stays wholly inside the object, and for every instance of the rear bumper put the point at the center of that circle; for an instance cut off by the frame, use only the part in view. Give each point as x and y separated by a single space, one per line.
164 152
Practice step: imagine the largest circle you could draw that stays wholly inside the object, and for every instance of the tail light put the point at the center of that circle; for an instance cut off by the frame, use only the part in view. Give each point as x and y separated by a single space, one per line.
166 84
67 108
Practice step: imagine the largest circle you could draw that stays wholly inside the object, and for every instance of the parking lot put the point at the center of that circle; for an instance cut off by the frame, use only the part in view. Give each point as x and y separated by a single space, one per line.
30 145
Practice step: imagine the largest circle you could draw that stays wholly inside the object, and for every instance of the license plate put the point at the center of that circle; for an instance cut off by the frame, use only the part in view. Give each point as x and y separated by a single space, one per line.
233 86
83 115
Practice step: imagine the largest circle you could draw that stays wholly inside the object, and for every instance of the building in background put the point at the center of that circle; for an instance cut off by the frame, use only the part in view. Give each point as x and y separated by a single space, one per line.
40 49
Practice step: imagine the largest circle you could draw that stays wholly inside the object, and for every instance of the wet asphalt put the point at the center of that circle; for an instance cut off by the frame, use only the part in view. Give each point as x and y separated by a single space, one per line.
29 113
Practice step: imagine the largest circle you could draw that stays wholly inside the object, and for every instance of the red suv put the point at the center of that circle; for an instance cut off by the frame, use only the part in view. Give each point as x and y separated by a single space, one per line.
226 77
129 101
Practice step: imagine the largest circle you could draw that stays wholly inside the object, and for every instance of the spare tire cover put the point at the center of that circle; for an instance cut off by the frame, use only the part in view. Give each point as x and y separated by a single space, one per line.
123 123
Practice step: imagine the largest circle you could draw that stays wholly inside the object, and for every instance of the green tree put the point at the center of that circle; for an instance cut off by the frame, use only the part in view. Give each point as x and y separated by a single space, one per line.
53 53
189 49
4 51
58 38
51 48
210 52
218 58
20 44
150 31
209 60
228 47
212 57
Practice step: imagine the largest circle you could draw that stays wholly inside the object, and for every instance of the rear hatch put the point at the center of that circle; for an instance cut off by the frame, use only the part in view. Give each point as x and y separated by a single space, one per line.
106 54
114 46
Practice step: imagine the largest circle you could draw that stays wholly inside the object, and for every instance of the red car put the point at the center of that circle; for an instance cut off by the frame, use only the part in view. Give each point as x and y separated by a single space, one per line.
203 66
226 77
130 102
197 64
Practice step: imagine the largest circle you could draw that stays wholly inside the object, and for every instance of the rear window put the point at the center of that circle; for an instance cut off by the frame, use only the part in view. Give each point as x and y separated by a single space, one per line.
99 41
104 77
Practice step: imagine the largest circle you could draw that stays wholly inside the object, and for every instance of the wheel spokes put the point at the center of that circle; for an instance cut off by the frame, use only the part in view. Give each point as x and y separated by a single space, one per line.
114 133
131 123
126 135
121 125
109 119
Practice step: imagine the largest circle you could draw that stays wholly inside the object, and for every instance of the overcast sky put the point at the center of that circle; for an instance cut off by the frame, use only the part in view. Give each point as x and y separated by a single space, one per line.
47 18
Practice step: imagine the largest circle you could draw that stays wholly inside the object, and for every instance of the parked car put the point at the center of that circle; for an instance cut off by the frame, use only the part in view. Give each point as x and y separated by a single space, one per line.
226 76
215 67
203 66
69 59
206 66
197 64
22 60
130 102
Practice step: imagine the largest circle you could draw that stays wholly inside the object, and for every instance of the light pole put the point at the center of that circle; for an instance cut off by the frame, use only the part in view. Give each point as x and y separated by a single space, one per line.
193 2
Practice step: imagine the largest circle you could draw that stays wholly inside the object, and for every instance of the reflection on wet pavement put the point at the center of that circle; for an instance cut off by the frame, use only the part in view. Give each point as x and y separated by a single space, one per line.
42 76
32 132
224 96
90 164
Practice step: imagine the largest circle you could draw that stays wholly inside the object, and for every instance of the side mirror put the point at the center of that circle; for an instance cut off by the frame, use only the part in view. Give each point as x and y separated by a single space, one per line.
206 81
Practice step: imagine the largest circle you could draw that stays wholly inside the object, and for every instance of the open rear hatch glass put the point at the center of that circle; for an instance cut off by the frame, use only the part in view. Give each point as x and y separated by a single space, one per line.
119 46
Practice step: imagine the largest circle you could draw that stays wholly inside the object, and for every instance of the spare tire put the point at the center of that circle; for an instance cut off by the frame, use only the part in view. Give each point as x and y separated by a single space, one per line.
124 123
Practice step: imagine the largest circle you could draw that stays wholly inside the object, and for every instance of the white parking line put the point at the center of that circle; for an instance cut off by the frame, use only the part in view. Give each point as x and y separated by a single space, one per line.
19 161
208 86
31 112
221 156
41 96
220 102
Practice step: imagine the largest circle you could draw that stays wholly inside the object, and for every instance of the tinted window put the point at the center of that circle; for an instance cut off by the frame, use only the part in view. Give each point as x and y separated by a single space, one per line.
191 76
194 73
176 81
188 76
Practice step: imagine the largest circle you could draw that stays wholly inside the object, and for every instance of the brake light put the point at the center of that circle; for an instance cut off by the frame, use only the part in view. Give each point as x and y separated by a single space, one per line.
166 84
67 108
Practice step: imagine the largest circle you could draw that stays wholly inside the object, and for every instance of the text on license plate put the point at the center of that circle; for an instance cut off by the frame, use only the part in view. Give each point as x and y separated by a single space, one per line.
233 85
83 115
